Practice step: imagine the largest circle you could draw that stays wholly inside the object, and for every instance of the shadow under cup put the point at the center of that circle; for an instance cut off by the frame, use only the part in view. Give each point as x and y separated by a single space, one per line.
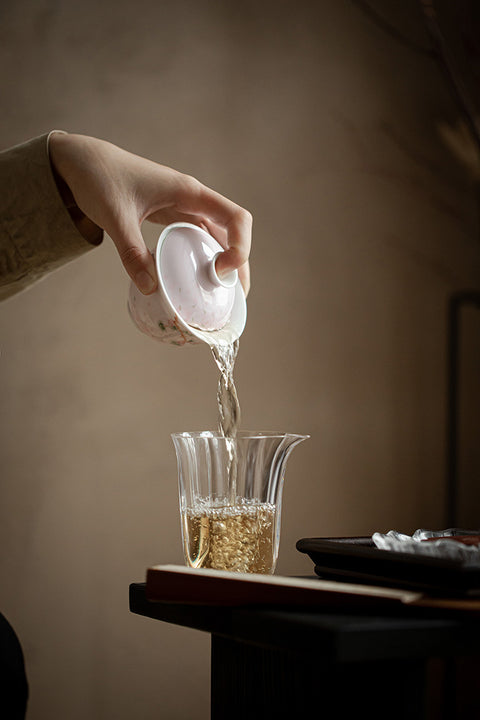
230 498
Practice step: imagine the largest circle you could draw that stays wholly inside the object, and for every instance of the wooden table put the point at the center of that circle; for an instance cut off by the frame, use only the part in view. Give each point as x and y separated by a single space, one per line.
276 661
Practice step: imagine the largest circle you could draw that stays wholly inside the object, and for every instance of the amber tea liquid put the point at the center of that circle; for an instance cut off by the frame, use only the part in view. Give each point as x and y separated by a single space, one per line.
236 537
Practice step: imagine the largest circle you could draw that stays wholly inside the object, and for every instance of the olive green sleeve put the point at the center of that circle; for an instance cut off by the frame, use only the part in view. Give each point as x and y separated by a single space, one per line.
37 233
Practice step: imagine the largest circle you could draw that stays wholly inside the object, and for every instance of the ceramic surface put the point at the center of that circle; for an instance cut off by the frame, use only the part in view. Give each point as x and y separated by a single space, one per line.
191 304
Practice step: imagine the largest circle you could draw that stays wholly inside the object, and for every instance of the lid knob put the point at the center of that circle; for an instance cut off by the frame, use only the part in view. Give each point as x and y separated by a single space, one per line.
227 281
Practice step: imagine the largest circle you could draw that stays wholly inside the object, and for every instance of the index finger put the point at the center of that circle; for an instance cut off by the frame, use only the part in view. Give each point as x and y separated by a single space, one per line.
208 205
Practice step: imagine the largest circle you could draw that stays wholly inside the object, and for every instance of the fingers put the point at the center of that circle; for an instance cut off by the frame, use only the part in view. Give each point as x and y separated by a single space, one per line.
244 276
238 225
216 210
136 258
232 259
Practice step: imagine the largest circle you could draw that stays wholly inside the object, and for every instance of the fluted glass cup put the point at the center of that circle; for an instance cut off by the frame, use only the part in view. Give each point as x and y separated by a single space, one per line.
231 498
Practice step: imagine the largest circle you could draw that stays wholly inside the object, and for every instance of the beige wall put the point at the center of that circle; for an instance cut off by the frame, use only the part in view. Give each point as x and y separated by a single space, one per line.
365 222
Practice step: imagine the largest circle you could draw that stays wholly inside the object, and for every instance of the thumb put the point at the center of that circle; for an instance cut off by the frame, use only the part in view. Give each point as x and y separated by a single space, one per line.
135 256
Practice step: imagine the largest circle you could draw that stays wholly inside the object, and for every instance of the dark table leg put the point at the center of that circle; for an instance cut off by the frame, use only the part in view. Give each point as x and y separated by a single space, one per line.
256 682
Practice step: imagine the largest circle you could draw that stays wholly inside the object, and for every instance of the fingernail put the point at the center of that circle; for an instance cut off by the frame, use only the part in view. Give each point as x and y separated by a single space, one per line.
145 282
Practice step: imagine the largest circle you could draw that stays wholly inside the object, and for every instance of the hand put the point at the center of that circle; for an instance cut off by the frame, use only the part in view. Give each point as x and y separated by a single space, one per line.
117 191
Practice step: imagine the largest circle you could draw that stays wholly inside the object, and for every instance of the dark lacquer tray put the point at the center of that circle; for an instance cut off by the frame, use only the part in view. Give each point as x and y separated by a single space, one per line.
357 559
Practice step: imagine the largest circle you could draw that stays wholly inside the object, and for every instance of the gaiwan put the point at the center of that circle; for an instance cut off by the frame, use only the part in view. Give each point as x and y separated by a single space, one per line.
192 304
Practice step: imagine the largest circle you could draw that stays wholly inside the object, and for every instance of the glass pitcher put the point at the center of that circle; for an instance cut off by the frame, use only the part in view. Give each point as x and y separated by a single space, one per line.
230 498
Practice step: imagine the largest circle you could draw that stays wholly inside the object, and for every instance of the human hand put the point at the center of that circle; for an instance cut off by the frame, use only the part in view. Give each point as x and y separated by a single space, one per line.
117 191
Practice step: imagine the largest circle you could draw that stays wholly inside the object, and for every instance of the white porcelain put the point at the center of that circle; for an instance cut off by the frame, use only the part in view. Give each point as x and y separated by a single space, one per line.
191 304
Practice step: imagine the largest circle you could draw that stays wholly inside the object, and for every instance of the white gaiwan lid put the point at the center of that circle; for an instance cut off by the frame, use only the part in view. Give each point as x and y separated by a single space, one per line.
185 258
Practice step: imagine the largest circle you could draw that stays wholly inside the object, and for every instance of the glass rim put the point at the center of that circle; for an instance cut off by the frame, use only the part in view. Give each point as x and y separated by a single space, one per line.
241 434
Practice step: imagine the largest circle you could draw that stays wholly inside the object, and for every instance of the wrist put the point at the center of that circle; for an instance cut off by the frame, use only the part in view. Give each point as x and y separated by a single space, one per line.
58 143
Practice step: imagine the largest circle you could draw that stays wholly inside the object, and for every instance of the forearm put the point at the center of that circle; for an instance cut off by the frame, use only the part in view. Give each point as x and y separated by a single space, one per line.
40 227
